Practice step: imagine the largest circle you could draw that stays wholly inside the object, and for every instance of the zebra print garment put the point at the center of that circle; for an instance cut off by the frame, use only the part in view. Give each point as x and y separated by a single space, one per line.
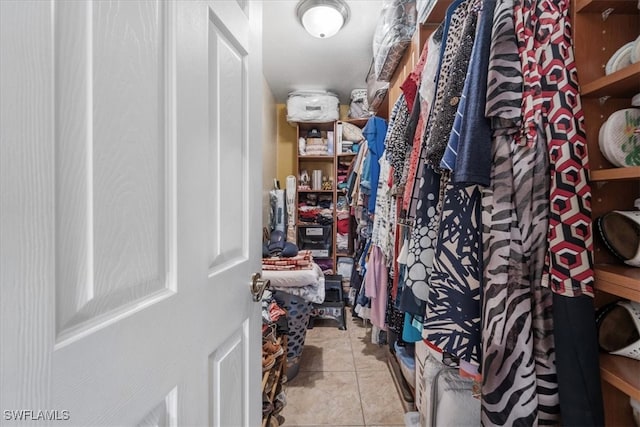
504 82
531 189
509 386
519 379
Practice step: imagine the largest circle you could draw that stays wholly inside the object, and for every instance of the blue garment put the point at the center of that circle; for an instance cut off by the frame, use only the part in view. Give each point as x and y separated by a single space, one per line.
375 132
473 161
365 180
411 332
451 153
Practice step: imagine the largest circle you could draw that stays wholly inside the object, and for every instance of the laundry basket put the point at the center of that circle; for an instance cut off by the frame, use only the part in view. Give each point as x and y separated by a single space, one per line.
298 317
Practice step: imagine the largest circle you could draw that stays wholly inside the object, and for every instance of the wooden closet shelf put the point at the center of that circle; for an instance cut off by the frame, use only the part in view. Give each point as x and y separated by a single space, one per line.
599 6
344 254
346 154
358 122
621 84
327 157
621 372
314 191
311 125
620 280
615 174
437 14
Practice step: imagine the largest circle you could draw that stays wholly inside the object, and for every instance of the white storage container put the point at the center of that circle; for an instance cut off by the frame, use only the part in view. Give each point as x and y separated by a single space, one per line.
313 106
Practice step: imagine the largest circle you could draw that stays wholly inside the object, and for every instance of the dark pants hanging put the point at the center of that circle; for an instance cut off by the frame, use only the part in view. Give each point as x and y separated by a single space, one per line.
577 361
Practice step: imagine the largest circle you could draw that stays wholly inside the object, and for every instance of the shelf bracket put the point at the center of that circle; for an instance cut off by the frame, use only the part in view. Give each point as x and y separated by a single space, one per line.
606 13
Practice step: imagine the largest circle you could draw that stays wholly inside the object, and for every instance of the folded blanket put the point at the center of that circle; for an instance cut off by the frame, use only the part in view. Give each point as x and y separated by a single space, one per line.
302 261
307 284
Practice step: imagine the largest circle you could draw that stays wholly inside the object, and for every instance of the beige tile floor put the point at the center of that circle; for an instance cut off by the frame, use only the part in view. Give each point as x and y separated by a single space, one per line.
343 380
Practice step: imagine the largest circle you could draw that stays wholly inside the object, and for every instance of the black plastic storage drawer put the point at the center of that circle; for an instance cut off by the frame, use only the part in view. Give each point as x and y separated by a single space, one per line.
316 238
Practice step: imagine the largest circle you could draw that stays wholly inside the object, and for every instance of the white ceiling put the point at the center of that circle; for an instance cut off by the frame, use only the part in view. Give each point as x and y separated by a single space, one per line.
295 60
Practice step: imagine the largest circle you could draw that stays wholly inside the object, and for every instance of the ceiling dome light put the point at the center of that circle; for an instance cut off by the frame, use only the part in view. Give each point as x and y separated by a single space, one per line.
322 18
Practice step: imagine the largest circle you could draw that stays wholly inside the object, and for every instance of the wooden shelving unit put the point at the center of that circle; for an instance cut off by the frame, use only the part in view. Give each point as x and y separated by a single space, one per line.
272 378
357 122
618 280
597 36
306 157
329 166
618 84
599 6
315 191
437 14
622 373
617 174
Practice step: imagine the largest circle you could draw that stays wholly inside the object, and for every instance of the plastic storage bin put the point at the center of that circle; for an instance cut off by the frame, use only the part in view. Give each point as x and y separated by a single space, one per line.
299 311
316 238
313 106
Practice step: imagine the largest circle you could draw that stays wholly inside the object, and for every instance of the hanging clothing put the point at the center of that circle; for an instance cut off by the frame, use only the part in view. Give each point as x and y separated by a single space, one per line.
410 91
578 361
453 309
376 284
394 317
507 394
427 93
458 44
395 142
374 132
517 308
414 135
468 153
509 382
422 244
383 222
552 110
425 201
396 148
470 159
411 332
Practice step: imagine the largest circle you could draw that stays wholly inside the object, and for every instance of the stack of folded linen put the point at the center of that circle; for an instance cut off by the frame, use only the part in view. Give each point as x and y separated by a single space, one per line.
302 261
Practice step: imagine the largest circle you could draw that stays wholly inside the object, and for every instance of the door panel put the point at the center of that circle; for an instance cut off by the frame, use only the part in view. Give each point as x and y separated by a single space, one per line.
114 199
129 227
165 414
228 373
228 139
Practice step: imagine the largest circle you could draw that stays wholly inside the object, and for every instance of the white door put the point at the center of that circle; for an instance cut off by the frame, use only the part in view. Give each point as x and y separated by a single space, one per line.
130 218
